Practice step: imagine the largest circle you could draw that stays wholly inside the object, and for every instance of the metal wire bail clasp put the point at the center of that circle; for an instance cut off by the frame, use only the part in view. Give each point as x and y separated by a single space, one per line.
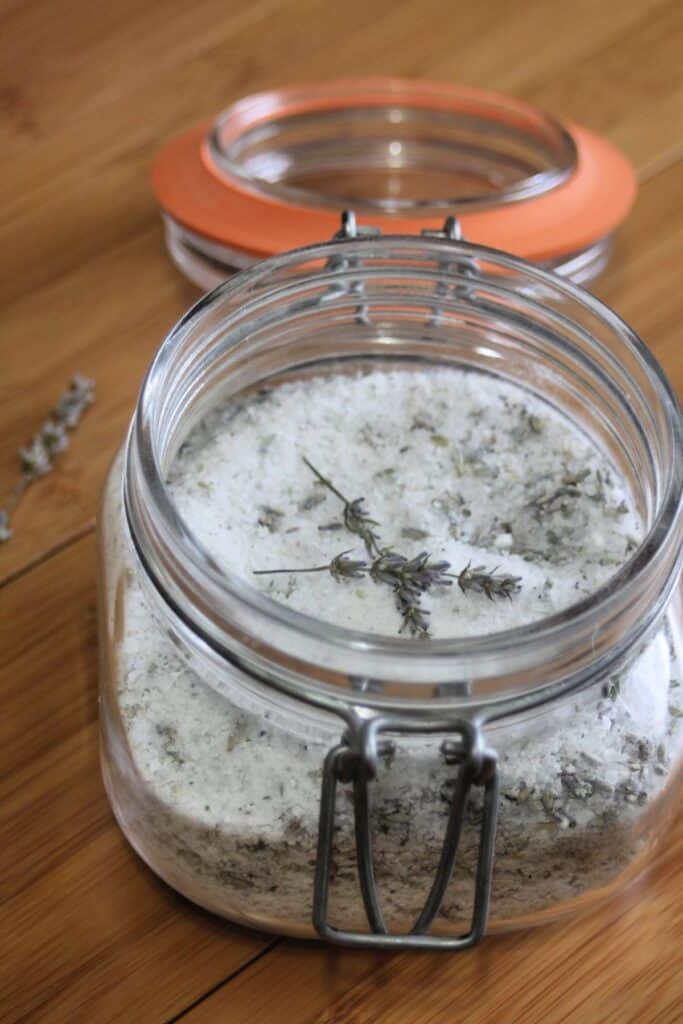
466 266
351 229
355 760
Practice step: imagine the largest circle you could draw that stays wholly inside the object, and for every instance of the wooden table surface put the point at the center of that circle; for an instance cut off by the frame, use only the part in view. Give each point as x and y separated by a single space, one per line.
88 91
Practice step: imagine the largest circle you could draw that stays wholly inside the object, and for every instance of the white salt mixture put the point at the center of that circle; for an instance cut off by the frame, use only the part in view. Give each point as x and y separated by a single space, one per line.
468 468
222 797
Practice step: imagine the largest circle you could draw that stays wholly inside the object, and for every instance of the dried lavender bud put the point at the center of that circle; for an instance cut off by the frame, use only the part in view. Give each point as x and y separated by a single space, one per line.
356 518
342 567
74 401
38 456
409 579
479 580
416 574
414 616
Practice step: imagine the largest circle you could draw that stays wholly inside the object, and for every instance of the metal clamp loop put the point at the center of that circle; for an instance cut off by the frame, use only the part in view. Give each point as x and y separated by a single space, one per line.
465 266
452 230
351 229
355 760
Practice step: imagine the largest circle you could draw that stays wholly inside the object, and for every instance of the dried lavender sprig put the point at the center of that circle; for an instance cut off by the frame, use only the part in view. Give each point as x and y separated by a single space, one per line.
410 578
418 574
479 580
356 518
10 505
340 567
38 456
415 618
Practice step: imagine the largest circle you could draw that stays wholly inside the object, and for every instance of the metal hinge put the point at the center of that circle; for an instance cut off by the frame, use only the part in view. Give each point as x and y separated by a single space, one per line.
354 760
463 265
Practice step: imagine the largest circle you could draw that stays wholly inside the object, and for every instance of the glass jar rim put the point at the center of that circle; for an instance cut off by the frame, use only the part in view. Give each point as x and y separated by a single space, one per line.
369 102
330 644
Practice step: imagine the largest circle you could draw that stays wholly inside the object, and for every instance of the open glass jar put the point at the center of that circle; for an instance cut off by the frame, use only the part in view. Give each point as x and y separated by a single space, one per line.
298 776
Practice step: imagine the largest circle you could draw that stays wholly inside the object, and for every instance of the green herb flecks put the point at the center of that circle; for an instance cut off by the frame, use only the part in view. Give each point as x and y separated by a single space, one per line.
270 518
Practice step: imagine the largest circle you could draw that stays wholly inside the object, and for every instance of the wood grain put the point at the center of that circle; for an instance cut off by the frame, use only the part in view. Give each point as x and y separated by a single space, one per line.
89 932
88 91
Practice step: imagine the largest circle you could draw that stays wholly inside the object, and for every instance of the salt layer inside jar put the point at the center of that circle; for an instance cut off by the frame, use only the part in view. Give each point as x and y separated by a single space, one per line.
474 471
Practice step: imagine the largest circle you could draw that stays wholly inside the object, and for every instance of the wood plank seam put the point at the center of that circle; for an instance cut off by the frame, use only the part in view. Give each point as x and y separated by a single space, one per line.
249 963
45 556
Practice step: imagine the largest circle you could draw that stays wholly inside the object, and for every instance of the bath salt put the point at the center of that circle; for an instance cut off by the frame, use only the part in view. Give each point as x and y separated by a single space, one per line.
477 473
468 468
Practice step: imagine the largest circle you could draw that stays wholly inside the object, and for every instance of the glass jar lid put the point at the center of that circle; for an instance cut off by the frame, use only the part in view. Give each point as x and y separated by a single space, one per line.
275 169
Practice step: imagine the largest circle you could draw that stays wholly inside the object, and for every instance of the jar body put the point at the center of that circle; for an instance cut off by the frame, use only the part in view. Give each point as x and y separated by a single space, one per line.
218 788
220 705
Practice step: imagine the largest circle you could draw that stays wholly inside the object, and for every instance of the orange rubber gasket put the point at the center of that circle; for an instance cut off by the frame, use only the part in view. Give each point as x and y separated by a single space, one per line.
585 208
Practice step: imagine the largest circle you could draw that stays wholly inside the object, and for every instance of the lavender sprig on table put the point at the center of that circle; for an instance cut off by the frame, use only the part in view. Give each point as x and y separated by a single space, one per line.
38 456
409 578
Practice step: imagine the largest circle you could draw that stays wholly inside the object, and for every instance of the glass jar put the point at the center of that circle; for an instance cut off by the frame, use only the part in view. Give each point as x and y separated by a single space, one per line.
299 777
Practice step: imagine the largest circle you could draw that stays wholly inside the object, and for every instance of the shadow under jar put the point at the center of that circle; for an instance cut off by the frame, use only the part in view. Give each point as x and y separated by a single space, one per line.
299 776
